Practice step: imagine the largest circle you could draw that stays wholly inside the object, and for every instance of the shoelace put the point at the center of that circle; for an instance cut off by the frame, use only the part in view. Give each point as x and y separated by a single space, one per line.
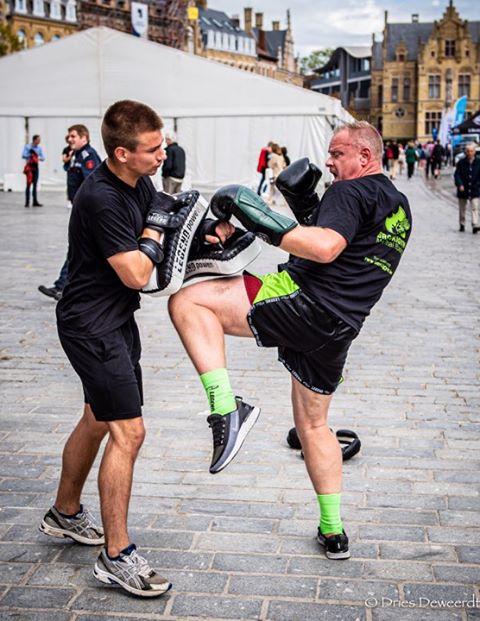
217 424
144 568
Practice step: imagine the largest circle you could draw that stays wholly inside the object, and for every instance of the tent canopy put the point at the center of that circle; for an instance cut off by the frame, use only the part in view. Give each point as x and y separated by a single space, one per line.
222 115
470 126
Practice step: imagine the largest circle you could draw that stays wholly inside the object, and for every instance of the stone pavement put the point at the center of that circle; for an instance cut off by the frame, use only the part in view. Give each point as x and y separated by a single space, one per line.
240 545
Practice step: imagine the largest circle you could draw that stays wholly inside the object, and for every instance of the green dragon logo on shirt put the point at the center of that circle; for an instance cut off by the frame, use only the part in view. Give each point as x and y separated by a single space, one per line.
398 223
397 226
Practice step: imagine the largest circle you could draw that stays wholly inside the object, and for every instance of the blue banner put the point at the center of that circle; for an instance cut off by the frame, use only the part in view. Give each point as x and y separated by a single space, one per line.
460 109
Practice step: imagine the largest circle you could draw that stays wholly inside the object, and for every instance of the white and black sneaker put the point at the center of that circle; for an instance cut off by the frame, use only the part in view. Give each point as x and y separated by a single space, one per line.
336 546
130 571
229 433
81 527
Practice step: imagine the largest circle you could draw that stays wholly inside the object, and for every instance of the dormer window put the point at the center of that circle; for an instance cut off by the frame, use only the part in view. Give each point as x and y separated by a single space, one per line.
71 12
38 8
20 6
450 48
401 58
55 9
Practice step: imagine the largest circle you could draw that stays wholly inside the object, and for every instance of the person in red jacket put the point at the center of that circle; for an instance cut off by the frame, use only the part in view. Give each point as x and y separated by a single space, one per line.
263 165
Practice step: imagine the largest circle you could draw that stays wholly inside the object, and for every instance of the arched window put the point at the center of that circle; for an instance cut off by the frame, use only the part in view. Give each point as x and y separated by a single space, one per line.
38 39
22 37
56 37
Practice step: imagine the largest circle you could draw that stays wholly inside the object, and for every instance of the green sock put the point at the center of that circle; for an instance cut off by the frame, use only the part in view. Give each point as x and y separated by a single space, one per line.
330 520
219 392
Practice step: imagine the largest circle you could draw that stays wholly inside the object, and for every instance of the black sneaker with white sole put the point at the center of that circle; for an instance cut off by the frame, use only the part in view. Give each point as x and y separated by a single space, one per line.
81 527
130 571
229 433
335 546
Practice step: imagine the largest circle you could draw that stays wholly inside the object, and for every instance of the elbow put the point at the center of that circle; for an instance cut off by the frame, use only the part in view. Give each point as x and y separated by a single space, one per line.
326 254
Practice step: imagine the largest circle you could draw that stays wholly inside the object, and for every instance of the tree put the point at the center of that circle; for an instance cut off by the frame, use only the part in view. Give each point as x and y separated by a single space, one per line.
315 59
8 41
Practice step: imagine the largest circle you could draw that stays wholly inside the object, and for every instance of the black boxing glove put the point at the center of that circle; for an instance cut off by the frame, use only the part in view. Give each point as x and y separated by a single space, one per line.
252 212
168 212
297 184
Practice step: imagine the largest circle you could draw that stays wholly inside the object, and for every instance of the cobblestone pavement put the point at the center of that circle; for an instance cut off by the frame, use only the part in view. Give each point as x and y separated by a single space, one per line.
240 545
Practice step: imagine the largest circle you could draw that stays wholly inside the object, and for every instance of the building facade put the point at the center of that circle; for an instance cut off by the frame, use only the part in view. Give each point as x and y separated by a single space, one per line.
347 76
419 70
36 22
162 21
213 34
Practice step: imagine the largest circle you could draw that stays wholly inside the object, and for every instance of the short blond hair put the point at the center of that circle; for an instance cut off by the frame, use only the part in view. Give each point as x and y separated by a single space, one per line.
365 134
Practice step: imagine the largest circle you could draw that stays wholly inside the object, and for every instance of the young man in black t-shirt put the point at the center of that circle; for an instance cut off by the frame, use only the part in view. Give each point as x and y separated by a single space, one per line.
111 256
311 310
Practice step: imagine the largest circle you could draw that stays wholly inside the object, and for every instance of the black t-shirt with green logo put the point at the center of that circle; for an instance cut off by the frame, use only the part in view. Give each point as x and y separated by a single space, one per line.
107 218
375 219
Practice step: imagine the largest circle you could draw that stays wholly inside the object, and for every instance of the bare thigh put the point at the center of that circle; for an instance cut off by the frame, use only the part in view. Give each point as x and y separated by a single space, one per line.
226 298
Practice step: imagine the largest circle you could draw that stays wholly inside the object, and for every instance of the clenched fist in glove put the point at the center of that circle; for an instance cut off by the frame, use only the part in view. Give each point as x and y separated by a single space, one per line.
297 183
252 212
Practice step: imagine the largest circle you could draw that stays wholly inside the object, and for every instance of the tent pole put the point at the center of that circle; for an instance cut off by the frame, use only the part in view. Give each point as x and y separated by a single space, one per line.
175 124
27 129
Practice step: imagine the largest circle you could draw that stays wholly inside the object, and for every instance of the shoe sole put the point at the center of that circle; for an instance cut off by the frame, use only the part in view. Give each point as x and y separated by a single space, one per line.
108 578
53 531
246 427
334 556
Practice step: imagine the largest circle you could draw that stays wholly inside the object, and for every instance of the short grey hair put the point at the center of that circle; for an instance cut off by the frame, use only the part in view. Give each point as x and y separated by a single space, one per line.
170 136
364 134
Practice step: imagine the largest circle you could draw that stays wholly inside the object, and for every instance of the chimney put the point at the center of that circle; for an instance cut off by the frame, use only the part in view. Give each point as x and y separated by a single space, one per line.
276 25
414 18
236 20
247 15
385 17
259 21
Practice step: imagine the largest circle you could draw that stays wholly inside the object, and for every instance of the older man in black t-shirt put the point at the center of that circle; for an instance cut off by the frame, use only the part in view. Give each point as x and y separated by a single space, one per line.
311 309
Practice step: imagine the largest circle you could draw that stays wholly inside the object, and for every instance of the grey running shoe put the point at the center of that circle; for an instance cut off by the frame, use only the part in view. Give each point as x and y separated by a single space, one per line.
229 433
336 546
82 528
132 572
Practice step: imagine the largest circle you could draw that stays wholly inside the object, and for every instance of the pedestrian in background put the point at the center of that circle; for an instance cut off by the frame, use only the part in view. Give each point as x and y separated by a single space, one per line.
32 153
436 159
79 160
467 180
173 169
276 163
263 165
411 158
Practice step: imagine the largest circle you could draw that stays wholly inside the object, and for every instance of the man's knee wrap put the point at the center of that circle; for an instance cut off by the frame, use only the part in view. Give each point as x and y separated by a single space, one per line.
215 262
167 277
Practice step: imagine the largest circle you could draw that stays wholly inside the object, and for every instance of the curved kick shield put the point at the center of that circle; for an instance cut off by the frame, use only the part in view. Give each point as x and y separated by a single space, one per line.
167 277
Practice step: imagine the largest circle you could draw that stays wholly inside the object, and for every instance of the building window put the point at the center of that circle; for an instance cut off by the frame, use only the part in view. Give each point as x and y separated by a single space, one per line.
380 95
38 8
394 89
467 53
20 6
56 37
38 39
432 120
22 37
406 89
450 48
464 84
434 86
55 10
432 54
401 58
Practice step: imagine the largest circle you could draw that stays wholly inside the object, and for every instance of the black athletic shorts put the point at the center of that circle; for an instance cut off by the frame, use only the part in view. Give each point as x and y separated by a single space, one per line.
312 343
109 369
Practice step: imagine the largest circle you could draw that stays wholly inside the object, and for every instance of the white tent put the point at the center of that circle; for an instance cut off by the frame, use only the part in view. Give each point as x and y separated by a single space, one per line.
222 116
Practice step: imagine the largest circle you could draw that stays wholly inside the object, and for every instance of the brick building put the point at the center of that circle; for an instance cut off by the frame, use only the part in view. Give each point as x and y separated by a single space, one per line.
419 70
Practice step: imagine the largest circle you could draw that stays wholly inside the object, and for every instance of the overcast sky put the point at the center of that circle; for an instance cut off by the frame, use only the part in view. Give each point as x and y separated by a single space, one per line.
333 23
